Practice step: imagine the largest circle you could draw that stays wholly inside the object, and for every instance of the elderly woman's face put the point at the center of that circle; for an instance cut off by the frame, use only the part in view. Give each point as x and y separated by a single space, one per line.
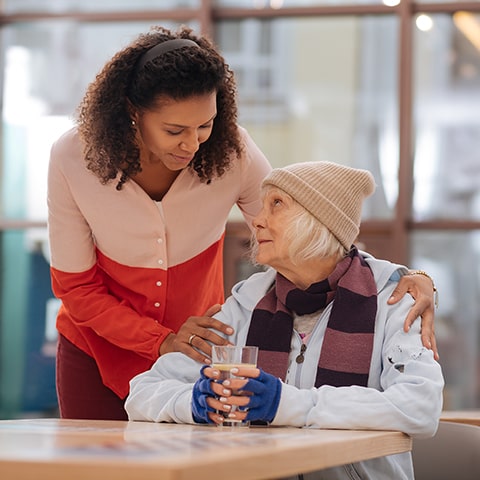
277 212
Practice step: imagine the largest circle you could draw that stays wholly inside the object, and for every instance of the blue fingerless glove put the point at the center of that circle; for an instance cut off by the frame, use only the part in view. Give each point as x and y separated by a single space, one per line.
201 391
266 390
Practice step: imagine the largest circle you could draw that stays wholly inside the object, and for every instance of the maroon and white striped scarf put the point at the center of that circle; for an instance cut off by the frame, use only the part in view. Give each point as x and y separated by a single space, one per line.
347 347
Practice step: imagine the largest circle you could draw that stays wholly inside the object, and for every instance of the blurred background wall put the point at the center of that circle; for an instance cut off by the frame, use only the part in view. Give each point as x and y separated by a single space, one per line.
389 86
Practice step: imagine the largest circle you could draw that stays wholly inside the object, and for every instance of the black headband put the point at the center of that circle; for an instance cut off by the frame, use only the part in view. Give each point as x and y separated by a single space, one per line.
162 48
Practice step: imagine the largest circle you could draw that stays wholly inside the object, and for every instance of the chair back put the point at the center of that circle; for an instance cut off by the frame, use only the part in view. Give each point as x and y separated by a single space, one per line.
452 454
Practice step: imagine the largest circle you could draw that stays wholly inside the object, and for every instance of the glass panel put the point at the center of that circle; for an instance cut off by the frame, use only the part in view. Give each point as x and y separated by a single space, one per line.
278 4
27 330
453 260
301 100
446 1
61 6
447 124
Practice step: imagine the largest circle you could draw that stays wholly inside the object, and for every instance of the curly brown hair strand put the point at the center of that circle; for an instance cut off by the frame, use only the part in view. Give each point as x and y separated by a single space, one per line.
104 115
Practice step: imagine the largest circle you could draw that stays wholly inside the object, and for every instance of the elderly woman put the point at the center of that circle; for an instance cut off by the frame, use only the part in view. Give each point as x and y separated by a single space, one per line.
332 353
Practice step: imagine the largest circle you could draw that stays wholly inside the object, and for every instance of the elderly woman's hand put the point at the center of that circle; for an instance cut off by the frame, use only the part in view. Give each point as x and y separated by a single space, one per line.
255 394
421 288
196 335
202 391
265 390
209 397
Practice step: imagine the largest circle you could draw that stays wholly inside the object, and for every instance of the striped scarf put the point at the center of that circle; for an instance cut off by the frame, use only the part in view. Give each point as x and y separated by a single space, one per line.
348 343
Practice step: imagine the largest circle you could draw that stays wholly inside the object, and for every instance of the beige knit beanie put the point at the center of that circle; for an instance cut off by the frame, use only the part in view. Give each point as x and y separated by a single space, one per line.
332 193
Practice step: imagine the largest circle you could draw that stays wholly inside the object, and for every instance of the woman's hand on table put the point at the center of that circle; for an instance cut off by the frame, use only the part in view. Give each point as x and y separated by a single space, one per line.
196 335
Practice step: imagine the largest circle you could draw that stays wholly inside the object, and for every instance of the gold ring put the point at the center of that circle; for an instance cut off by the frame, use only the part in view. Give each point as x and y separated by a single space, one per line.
190 340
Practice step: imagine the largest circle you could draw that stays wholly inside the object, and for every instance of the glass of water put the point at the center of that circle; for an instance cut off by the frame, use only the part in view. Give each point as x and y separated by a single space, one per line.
224 358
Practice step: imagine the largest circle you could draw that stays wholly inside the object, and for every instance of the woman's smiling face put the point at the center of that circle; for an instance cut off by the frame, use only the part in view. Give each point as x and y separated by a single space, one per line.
174 131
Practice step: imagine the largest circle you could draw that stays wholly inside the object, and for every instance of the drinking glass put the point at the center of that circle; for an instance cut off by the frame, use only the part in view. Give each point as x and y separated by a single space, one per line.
224 358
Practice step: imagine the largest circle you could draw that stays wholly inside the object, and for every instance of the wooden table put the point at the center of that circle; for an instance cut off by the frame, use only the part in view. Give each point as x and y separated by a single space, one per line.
78 449
471 417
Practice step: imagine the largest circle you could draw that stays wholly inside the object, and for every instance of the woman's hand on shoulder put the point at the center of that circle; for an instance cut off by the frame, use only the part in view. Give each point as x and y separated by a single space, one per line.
422 289
196 335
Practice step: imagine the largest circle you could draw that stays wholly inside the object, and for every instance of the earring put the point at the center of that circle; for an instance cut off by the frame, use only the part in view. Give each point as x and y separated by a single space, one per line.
133 123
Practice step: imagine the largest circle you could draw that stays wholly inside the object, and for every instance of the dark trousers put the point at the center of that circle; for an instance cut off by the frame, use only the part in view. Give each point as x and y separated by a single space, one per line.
80 390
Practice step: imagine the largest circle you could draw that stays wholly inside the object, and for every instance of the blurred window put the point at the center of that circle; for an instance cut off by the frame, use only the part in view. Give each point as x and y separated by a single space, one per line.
319 81
65 6
304 101
447 123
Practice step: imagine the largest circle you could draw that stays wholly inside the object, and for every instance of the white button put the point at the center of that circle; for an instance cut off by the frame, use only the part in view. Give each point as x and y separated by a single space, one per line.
159 283
160 262
157 304
159 240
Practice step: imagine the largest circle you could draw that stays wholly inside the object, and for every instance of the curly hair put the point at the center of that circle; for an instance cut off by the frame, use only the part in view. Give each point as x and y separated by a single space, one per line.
104 114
